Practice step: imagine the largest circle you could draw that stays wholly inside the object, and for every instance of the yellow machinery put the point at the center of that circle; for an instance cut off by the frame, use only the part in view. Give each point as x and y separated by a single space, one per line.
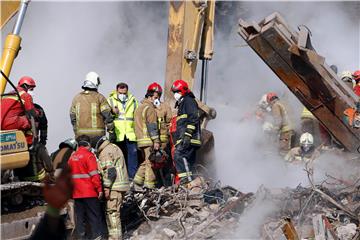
14 149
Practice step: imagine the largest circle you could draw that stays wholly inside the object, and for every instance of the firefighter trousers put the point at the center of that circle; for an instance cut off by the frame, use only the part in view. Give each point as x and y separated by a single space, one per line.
286 142
113 215
145 174
184 161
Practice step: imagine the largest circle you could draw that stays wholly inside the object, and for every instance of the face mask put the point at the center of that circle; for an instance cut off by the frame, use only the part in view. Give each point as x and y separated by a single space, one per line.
31 93
306 148
177 96
157 103
122 97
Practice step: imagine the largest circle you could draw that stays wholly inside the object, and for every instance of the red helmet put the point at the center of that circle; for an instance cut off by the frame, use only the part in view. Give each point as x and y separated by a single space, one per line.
356 75
180 86
271 97
155 87
28 81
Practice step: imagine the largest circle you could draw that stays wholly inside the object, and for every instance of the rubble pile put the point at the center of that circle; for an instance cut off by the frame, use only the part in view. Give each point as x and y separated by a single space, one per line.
208 211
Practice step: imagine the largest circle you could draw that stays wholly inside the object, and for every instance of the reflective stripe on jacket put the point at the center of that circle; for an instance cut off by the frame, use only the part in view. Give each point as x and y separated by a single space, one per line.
146 128
90 113
111 155
164 116
187 121
124 121
84 173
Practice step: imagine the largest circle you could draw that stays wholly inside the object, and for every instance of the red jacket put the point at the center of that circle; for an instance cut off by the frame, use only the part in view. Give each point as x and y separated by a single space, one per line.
357 90
85 175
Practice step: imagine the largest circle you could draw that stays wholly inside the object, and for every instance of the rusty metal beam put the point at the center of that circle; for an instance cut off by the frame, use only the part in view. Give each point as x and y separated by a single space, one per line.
292 58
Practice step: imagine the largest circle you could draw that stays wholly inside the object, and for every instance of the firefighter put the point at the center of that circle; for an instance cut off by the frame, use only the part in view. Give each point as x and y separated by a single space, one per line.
147 134
123 105
16 114
356 77
87 191
306 152
186 138
346 77
280 123
115 182
90 113
159 159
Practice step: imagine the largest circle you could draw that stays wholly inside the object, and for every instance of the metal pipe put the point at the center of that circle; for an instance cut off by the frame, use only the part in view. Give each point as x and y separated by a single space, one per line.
21 16
202 80
205 80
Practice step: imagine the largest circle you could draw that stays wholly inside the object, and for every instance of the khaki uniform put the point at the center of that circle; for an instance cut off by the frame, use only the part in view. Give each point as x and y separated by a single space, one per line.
283 126
295 155
90 113
164 115
110 156
146 130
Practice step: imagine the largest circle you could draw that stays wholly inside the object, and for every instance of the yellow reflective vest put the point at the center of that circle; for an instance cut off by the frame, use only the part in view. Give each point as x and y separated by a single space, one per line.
124 120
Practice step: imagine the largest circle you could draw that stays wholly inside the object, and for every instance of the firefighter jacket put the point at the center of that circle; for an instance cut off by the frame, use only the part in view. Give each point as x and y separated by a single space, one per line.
356 89
84 173
297 155
187 120
307 114
113 168
13 113
164 115
124 119
90 113
146 128
41 124
280 116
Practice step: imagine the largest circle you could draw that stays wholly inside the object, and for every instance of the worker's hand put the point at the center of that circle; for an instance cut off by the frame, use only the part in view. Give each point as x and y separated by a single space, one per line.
107 193
100 195
58 194
156 146
186 141
112 136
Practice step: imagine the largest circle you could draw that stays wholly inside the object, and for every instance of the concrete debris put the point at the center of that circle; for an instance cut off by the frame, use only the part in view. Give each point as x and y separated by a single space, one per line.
214 212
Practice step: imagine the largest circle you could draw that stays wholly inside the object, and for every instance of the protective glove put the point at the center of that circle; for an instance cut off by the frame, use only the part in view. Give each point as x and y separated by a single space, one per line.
112 137
111 172
186 141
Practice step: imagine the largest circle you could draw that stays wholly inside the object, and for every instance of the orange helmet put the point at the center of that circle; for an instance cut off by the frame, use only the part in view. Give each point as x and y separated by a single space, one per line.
155 87
271 97
356 75
28 81
180 86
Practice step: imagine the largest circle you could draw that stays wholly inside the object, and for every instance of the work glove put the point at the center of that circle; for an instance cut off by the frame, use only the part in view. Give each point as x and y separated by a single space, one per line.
112 137
186 141
111 174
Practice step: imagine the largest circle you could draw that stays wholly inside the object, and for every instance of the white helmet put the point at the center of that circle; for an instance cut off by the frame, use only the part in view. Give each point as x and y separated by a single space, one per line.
263 102
346 76
92 80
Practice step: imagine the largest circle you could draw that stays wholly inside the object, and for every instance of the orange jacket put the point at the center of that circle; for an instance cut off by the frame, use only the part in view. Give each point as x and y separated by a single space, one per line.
85 175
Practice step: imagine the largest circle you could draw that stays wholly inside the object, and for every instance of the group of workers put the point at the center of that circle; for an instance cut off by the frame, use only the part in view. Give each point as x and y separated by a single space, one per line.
118 144
274 117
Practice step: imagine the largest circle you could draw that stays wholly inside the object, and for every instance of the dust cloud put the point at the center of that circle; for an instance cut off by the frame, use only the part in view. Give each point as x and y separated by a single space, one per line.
126 41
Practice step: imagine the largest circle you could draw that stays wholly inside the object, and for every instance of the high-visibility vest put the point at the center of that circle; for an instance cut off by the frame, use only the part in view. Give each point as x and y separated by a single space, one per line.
124 121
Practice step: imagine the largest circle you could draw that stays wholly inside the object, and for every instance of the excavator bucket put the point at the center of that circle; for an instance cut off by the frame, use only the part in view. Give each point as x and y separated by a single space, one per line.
291 56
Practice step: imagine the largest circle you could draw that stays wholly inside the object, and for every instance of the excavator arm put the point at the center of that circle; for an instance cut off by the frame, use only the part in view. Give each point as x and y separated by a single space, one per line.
293 59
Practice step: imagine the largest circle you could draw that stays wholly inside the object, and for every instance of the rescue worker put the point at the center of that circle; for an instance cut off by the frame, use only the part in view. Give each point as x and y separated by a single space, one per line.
346 77
280 123
308 121
161 166
306 152
115 182
16 114
186 138
87 191
90 113
123 105
356 77
147 134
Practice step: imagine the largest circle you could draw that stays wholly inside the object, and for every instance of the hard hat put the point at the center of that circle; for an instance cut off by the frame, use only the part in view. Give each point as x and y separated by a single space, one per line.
28 81
306 139
356 75
346 76
70 142
263 102
334 68
180 86
92 80
155 87
271 97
